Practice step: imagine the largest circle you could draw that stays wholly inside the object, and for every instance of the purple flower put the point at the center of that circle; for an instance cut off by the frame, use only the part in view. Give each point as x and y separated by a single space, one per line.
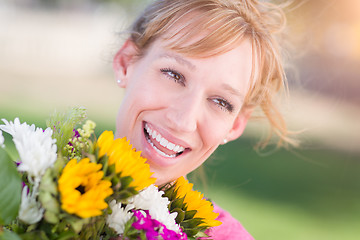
151 234
76 133
153 228
143 222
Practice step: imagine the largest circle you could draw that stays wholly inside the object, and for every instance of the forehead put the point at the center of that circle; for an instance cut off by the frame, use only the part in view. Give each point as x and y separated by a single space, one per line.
236 54
229 69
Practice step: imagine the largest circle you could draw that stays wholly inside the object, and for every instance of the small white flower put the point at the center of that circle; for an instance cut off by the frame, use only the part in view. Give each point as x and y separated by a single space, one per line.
151 199
30 210
36 148
2 140
15 128
119 216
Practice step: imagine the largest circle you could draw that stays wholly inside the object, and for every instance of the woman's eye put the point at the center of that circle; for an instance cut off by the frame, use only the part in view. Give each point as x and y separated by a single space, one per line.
177 77
223 104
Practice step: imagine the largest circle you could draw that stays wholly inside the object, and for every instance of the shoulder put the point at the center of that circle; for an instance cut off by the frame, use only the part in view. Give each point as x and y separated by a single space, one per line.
229 229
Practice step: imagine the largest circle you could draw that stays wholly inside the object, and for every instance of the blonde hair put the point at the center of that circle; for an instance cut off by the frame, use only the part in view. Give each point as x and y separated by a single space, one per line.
227 22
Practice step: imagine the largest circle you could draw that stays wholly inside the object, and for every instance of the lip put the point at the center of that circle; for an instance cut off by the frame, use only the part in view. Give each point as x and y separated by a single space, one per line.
153 156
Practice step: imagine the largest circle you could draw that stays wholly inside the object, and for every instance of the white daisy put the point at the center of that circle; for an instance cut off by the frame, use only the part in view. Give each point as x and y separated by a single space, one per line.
36 148
30 210
151 199
119 216
14 128
2 140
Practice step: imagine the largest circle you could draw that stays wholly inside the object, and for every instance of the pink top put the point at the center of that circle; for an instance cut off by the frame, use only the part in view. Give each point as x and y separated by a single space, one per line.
229 229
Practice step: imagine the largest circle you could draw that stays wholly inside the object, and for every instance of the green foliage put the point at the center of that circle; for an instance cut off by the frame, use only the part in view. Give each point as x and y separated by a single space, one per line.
80 145
48 196
10 189
7 235
91 231
185 218
39 235
63 125
129 231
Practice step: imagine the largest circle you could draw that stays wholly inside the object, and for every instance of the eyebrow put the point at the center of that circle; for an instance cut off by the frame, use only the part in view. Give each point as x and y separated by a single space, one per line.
232 90
178 59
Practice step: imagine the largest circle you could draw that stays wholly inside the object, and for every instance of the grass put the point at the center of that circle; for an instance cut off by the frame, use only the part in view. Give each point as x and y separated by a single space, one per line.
305 194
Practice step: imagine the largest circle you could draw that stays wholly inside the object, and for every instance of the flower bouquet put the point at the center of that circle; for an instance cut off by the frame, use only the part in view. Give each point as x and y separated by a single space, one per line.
64 183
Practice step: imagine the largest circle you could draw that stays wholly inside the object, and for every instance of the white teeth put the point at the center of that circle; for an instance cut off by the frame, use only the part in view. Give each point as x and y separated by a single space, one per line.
170 146
163 142
160 152
153 134
176 148
158 137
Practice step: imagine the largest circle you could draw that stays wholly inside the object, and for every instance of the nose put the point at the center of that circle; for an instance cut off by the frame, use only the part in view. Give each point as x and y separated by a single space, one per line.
184 113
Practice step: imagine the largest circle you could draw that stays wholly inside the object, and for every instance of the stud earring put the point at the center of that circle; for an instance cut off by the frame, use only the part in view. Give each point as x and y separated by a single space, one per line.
225 141
119 81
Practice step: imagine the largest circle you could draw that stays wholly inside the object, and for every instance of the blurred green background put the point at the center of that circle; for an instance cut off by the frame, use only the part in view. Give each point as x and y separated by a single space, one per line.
57 54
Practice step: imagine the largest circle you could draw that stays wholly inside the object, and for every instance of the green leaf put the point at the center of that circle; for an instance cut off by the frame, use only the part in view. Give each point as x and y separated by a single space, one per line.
10 189
109 233
67 235
193 238
48 197
123 195
180 215
178 203
201 234
7 235
76 222
190 214
174 193
125 181
59 165
168 193
191 223
129 231
38 235
143 235
78 225
191 231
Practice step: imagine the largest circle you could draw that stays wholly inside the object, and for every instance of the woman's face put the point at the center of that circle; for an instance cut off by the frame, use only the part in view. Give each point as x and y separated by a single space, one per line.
176 109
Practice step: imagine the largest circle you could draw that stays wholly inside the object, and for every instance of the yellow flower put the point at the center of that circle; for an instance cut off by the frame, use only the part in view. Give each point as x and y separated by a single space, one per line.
128 162
194 200
83 192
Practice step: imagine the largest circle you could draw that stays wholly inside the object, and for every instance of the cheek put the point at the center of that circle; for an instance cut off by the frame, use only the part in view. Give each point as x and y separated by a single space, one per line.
212 134
140 96
214 128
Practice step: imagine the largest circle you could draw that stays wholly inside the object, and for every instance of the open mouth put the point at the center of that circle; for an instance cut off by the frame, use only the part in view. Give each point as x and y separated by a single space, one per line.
162 145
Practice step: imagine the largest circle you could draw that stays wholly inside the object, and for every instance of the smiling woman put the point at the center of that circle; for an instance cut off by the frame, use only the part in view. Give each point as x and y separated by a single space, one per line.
193 72
172 104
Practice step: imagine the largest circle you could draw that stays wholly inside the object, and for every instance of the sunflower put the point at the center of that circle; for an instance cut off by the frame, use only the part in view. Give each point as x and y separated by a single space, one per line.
128 162
83 191
194 200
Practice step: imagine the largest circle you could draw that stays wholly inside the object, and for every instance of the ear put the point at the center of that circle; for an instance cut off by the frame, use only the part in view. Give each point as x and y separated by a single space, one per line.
123 60
239 124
